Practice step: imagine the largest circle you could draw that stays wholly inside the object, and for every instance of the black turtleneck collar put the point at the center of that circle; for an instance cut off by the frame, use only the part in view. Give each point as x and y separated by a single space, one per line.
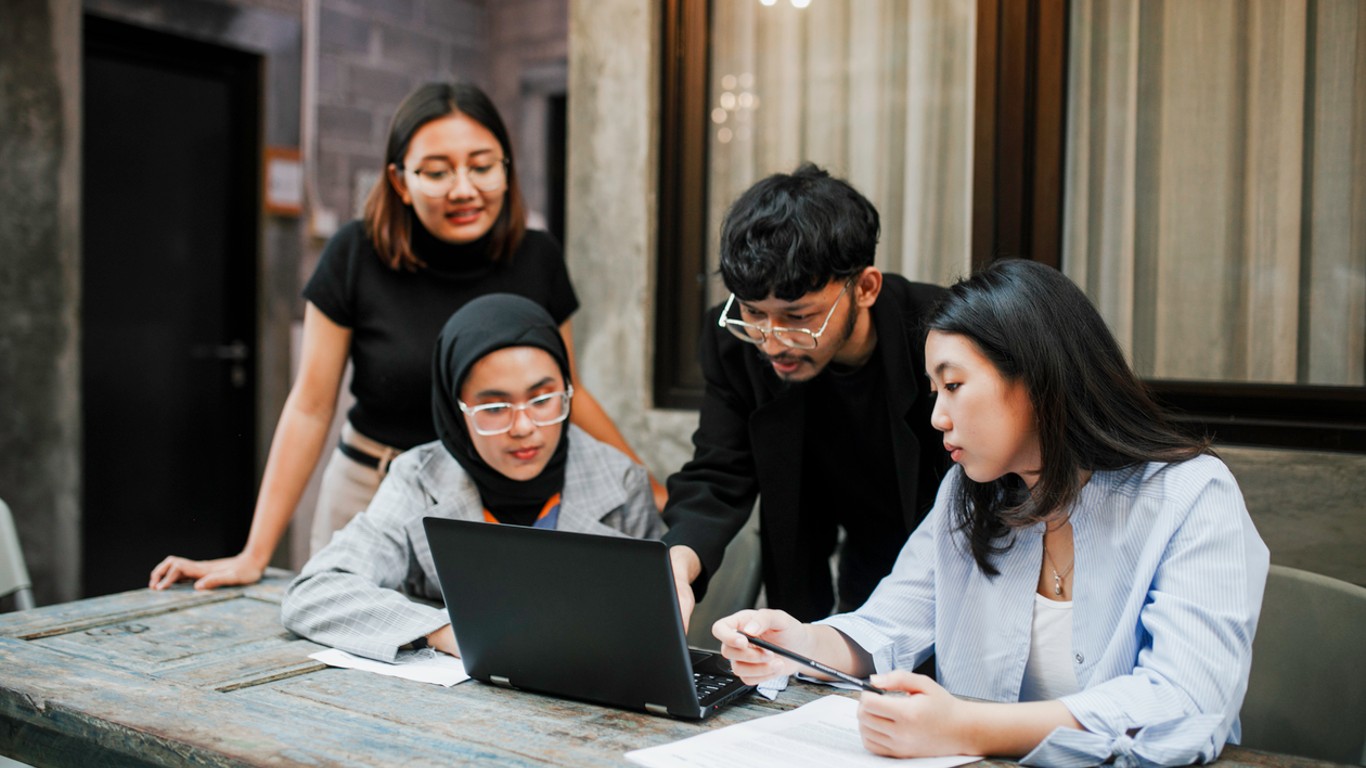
457 260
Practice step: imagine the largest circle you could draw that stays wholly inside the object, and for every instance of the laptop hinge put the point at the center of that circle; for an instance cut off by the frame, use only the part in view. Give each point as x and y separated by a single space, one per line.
500 680
657 709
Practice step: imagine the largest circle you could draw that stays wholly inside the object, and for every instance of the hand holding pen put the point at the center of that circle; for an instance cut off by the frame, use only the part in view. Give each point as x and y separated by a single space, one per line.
762 644
824 669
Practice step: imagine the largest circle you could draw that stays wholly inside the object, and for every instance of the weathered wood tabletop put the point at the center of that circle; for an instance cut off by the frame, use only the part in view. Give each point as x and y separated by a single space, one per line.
211 679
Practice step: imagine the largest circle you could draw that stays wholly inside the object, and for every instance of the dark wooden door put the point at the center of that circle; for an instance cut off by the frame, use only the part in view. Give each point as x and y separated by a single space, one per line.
168 308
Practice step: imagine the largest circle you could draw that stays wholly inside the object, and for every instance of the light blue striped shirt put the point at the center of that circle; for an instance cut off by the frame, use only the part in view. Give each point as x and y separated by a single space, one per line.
1168 586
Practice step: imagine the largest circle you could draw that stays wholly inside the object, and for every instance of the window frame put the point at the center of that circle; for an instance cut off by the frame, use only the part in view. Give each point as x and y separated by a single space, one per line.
1019 153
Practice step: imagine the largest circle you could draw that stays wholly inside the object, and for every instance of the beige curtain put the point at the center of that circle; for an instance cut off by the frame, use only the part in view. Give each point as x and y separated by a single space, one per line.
1216 184
878 92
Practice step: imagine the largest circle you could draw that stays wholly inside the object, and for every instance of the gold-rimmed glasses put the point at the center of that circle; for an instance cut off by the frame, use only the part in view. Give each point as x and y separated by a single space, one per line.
436 178
797 338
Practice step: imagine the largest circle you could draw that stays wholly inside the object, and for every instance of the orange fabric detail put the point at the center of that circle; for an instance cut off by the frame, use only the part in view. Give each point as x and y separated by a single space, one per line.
550 504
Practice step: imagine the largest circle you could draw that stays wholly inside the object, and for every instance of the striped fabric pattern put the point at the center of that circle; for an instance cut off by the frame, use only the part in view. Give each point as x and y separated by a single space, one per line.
1168 587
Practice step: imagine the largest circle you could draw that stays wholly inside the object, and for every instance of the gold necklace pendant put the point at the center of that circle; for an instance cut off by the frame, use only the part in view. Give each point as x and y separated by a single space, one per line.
1057 577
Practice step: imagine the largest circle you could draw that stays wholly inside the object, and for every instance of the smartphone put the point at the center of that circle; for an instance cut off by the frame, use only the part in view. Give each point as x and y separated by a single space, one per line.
824 669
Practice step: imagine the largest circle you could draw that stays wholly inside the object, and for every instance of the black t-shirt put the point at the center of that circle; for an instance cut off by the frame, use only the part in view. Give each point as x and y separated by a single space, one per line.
395 315
849 476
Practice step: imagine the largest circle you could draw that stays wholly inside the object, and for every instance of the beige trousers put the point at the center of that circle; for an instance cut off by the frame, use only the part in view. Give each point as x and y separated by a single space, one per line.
346 487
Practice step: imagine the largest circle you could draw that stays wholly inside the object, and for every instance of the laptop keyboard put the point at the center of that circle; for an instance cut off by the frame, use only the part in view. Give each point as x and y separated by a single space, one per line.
708 685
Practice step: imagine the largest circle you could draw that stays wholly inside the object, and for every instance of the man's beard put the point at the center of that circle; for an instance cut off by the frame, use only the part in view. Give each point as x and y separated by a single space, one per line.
788 356
794 355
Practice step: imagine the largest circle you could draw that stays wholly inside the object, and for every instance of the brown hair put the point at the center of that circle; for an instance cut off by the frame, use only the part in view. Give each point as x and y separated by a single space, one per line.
389 221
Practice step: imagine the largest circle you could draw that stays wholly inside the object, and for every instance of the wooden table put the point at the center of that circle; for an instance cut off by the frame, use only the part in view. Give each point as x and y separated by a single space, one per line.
211 678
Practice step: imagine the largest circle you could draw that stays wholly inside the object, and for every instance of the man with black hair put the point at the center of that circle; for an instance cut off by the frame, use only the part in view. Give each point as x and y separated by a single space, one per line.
816 401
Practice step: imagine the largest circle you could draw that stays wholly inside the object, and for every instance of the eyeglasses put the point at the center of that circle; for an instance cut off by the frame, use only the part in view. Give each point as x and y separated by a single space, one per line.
437 179
497 418
797 338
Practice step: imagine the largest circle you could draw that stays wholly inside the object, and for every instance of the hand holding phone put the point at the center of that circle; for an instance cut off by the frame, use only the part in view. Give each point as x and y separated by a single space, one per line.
824 669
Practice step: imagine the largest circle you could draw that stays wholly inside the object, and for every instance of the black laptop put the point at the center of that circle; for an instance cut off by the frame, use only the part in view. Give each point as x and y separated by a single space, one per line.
576 615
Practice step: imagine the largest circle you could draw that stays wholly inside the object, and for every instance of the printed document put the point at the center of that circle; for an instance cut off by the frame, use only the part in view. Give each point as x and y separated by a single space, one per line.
815 735
424 666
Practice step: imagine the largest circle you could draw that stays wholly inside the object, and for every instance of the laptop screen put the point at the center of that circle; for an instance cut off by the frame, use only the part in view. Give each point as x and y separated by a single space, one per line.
570 614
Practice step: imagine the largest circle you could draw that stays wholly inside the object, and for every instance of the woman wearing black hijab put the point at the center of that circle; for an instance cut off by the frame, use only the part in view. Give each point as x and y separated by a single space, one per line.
506 454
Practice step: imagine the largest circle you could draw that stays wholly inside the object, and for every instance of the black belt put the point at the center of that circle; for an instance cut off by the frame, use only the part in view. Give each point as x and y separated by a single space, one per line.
361 457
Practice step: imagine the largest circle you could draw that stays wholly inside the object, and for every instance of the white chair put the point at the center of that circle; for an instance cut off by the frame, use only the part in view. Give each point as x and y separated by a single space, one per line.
13 574
1306 694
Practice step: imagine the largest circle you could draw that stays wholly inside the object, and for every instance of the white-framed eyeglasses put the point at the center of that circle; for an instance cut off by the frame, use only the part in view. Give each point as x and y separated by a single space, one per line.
497 418
797 338
436 178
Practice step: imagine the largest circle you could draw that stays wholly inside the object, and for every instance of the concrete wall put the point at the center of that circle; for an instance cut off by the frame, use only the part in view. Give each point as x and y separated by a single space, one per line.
611 220
40 248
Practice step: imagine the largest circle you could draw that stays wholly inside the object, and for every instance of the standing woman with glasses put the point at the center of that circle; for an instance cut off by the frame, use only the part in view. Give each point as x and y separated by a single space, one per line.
444 225
500 395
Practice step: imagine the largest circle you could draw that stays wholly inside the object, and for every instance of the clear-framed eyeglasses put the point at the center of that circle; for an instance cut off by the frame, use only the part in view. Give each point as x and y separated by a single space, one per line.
436 178
497 418
797 338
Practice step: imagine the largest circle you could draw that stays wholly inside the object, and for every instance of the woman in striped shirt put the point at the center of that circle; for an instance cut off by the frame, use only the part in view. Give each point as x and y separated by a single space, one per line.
1089 580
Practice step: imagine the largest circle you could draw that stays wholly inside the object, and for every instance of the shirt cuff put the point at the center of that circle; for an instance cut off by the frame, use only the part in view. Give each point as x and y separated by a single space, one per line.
1183 741
876 644
423 622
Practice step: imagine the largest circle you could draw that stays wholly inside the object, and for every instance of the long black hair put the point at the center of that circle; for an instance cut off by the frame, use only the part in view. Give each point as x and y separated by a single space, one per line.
1093 413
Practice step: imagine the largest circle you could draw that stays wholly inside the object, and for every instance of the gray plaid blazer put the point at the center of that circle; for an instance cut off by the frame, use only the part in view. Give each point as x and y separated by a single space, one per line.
357 593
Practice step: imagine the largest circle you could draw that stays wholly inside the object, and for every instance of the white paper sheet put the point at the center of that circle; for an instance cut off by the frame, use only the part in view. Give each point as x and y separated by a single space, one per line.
815 735
424 666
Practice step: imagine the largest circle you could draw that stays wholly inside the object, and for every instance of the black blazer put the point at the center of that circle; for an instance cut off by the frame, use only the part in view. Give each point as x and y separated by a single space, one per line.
749 438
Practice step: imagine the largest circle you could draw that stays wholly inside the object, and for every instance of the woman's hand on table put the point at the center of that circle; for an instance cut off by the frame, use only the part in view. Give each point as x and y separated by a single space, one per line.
208 574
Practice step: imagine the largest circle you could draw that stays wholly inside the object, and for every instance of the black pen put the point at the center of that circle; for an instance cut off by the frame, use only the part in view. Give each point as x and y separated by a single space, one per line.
824 669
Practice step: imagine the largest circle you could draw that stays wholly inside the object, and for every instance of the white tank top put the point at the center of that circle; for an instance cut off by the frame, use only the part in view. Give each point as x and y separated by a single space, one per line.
1049 673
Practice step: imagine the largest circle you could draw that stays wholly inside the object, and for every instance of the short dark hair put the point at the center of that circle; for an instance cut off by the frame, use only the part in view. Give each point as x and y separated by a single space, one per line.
791 234
389 222
1093 413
